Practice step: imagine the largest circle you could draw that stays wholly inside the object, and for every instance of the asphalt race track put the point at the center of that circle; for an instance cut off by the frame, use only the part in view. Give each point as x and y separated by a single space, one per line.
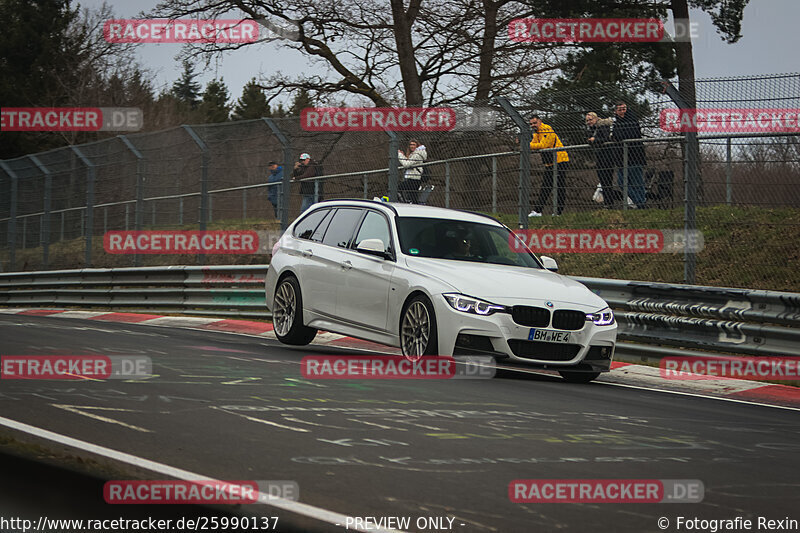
235 407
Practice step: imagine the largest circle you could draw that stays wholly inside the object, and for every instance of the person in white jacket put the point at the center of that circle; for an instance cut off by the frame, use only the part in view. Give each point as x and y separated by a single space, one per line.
417 153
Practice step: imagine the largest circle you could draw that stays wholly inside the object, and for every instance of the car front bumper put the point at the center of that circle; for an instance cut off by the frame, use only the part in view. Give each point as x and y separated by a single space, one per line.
590 348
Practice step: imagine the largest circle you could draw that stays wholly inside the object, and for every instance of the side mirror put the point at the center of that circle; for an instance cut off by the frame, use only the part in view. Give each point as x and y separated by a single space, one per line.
372 247
549 263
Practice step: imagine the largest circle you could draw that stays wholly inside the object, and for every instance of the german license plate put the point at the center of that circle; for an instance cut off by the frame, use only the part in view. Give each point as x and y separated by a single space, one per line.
548 335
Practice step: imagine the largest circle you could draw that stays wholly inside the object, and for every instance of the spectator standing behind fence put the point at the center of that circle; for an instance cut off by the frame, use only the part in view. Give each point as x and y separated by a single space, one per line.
306 168
274 191
626 126
417 154
598 133
545 137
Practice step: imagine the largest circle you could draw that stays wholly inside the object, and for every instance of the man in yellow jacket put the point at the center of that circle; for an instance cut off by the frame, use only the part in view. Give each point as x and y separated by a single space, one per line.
545 137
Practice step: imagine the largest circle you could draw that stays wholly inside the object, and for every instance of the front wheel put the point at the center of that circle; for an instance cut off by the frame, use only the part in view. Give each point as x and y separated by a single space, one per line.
573 376
418 335
287 314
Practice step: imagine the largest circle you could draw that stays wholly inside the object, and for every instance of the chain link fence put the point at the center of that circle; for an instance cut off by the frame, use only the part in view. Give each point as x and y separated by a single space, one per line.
215 177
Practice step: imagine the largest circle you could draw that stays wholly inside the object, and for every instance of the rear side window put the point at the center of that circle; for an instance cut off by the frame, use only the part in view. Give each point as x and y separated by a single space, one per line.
341 228
305 228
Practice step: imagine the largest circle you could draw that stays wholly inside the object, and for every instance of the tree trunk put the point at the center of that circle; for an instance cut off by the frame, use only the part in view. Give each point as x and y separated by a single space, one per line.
484 88
405 50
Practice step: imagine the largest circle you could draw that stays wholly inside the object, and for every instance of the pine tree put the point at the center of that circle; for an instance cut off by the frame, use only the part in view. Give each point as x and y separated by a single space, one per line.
215 106
252 103
301 100
186 89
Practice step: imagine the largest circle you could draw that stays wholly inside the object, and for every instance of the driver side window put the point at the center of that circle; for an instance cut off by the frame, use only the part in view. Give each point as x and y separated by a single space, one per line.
374 226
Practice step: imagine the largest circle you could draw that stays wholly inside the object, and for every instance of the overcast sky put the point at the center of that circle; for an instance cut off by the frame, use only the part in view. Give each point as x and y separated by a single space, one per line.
770 40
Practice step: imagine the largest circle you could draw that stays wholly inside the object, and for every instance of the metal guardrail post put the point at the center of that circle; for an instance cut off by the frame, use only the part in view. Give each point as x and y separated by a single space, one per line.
204 198
624 176
44 233
394 164
288 159
524 159
12 215
90 178
728 172
139 209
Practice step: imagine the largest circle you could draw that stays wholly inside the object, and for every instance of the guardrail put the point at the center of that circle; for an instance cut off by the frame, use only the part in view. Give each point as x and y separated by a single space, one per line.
654 318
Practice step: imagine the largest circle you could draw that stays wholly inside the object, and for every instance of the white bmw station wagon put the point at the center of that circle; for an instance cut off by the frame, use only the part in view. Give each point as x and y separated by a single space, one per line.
433 281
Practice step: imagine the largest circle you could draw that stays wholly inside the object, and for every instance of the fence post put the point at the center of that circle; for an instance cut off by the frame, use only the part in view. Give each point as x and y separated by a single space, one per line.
180 211
524 193
105 220
153 216
63 220
204 198
394 164
366 186
210 208
139 208
12 216
24 231
244 204
494 184
127 216
288 159
624 176
555 183
44 234
728 172
690 150
90 177
447 184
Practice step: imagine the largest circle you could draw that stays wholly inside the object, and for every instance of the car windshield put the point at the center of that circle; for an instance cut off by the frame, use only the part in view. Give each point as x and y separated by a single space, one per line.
458 240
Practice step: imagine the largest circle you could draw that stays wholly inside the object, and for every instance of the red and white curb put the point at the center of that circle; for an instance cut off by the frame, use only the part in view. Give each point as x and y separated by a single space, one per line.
621 373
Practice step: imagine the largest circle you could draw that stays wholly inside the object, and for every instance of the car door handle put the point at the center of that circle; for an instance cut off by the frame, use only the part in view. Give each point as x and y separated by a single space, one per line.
347 265
308 253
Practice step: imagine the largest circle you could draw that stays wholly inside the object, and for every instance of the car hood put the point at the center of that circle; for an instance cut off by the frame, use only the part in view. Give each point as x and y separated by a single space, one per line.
506 285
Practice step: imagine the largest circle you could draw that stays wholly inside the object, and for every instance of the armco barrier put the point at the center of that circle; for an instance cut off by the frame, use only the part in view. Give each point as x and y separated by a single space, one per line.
654 318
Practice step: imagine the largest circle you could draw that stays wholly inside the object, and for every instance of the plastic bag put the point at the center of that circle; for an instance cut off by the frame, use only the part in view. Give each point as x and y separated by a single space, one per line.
598 194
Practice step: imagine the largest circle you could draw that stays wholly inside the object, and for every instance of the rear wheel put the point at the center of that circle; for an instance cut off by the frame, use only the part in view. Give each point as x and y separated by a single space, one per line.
578 377
418 335
287 314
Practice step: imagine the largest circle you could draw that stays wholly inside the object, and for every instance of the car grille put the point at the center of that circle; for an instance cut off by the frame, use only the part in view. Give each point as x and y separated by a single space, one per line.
545 351
568 319
535 317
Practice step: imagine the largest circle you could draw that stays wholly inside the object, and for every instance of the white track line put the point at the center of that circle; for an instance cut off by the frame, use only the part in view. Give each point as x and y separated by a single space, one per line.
302 509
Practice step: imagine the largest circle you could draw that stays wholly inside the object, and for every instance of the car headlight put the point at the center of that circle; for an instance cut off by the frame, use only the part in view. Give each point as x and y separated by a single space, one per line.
604 317
467 304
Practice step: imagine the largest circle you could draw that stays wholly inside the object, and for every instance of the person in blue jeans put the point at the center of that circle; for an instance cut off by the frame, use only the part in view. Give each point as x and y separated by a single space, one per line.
626 126
274 191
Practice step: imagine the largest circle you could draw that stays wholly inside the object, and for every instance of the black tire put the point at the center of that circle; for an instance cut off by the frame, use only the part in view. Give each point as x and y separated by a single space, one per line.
418 332
573 376
287 314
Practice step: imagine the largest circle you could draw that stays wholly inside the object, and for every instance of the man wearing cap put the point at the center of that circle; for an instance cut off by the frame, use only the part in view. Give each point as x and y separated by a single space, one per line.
306 168
274 192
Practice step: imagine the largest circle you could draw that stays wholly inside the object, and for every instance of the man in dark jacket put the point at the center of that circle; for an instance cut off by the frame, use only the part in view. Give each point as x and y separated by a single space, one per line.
275 192
306 168
626 126
598 133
